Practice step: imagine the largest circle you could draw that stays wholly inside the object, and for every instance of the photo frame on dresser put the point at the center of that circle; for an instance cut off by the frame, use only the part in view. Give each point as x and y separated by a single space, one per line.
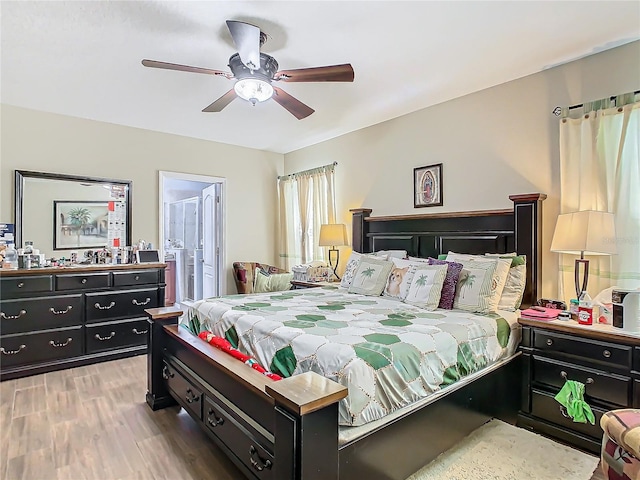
427 186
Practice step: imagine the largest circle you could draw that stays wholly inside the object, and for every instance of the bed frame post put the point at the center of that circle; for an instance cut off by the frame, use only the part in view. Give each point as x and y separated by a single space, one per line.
527 211
157 394
306 426
360 229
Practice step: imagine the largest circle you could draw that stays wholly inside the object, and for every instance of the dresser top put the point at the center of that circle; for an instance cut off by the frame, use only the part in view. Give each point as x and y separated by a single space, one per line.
5 272
596 331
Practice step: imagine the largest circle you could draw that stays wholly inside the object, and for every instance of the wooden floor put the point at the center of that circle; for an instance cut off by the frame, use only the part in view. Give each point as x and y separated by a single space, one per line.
91 423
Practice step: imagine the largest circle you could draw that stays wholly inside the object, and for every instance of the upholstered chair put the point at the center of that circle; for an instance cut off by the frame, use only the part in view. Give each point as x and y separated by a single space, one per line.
244 274
621 444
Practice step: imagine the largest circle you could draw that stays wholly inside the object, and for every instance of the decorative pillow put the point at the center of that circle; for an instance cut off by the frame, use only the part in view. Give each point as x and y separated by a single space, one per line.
426 286
476 292
500 275
350 269
389 254
418 259
450 282
274 282
399 280
511 297
371 276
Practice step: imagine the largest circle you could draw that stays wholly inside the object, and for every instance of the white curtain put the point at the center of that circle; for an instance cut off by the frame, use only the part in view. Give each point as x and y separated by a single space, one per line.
307 200
600 170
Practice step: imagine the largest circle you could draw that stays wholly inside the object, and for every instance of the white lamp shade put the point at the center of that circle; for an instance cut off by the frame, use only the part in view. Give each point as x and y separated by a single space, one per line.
587 232
333 235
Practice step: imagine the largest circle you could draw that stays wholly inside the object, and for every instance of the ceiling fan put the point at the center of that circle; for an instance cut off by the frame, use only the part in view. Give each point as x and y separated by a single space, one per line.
255 72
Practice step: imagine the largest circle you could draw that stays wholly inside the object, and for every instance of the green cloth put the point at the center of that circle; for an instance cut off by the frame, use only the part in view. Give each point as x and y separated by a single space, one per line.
571 396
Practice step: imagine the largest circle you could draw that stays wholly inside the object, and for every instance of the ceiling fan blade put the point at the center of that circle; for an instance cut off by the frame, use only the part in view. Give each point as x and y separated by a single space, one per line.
295 106
184 68
247 40
222 102
331 73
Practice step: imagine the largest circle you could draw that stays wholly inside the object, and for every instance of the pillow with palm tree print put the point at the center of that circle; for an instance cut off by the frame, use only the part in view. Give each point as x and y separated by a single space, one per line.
371 276
476 290
426 286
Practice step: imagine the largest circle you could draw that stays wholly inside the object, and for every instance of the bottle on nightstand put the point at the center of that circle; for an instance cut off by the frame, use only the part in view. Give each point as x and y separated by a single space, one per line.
585 309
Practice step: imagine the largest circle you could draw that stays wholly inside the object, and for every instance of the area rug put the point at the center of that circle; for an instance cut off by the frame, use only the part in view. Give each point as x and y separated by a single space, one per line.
499 451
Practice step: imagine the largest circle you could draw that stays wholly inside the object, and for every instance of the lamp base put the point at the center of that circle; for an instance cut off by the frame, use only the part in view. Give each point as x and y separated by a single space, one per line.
585 276
337 255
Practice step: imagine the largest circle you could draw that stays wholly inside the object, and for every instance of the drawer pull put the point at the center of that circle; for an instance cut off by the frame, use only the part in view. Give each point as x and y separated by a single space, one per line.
13 317
139 332
83 281
166 373
136 302
191 397
214 422
589 380
563 411
549 342
102 339
60 312
100 307
12 352
61 344
21 284
137 277
563 374
606 354
256 462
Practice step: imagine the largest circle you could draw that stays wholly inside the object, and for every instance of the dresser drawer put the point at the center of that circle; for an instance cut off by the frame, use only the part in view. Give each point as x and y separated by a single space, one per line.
124 333
20 285
141 277
545 406
189 396
40 313
602 352
82 281
30 348
599 385
119 304
238 439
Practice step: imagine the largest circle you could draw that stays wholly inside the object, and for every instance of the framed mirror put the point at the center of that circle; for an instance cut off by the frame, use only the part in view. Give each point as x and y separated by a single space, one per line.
59 213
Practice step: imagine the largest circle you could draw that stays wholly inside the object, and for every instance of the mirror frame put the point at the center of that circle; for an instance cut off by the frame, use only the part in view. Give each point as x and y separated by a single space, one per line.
21 175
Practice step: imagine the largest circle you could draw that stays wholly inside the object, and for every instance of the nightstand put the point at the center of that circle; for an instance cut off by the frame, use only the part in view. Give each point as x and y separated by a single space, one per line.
298 284
604 358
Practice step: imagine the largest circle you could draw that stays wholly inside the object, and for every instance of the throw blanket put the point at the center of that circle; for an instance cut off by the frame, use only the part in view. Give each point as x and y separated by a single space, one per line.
387 353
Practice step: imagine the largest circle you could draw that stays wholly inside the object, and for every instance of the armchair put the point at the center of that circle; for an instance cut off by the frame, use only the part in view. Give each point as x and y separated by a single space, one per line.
244 274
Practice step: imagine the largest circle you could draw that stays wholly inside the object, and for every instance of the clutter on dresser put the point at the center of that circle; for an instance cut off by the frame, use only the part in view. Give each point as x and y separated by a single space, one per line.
540 313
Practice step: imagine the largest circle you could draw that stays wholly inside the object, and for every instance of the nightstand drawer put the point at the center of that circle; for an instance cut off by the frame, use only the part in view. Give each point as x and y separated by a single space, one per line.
545 406
592 350
603 386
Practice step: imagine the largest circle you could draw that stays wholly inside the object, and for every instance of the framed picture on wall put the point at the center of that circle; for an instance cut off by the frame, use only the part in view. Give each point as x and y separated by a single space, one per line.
78 224
427 186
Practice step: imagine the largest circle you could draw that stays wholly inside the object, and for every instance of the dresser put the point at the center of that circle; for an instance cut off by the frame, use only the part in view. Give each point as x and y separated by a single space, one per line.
605 359
56 318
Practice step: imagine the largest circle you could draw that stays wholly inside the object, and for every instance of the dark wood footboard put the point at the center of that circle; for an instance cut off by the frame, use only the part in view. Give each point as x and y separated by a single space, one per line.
270 430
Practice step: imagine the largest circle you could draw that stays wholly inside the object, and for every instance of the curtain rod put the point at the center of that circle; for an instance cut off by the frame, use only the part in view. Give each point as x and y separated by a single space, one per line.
304 172
558 110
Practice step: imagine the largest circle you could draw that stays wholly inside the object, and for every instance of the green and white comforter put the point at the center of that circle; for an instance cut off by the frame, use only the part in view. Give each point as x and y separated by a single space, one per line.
387 353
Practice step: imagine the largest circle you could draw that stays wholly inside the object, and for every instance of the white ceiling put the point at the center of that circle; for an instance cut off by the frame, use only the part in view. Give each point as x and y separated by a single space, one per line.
83 58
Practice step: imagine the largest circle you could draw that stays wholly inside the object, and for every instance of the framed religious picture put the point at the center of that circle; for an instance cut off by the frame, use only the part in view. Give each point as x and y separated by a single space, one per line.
427 186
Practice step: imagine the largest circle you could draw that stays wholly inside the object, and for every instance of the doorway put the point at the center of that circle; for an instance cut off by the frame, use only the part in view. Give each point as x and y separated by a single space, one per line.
192 236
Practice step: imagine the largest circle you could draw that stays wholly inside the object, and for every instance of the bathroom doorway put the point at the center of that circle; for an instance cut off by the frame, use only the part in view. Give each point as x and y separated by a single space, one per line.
192 236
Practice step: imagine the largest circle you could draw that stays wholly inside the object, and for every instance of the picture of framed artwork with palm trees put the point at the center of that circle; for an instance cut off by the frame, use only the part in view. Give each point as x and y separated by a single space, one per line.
80 224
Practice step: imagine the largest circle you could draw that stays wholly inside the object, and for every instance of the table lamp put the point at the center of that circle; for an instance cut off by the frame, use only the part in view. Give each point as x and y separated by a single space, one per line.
584 233
333 235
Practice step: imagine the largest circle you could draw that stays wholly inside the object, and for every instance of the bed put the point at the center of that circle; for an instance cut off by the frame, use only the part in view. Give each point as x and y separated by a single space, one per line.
289 429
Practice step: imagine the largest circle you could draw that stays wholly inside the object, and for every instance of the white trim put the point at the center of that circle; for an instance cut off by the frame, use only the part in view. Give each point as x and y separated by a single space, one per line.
222 283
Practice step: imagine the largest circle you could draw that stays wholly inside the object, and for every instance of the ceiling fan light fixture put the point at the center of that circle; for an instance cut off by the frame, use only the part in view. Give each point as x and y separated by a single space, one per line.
253 89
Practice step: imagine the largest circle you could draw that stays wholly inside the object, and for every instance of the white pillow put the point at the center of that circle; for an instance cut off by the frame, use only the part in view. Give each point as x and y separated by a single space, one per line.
475 291
351 266
514 286
400 278
500 274
370 276
426 286
389 254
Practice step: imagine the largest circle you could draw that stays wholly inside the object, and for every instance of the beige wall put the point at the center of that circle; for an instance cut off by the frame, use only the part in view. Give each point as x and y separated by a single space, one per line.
493 143
33 140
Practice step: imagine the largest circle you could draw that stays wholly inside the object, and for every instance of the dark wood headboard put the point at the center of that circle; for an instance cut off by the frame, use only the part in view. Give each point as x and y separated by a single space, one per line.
477 232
